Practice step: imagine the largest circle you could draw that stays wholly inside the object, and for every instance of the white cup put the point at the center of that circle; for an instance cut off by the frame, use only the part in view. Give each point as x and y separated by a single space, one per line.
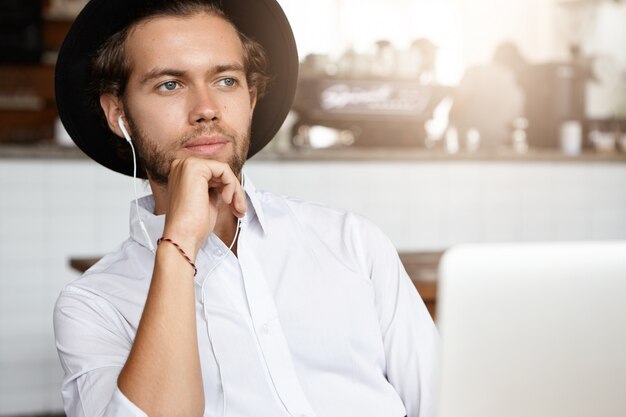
61 136
571 138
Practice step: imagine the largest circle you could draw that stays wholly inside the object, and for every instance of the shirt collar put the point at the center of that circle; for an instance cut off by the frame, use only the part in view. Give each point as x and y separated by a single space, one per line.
154 225
255 209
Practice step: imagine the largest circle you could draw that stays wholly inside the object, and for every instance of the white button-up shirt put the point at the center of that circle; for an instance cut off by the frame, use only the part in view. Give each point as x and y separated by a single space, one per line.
316 317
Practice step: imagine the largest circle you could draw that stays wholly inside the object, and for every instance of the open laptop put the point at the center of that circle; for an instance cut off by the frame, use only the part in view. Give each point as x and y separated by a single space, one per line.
533 330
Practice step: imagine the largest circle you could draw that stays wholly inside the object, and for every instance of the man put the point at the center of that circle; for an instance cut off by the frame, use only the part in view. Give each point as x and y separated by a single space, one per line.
224 300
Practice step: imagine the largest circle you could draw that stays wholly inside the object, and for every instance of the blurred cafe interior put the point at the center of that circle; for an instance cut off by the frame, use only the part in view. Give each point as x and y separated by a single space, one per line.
445 122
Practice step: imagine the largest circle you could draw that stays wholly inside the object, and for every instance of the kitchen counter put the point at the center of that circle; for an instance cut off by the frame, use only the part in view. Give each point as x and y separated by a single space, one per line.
53 151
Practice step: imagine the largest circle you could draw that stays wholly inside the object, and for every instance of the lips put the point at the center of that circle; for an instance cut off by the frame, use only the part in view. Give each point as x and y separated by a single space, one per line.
206 140
207 145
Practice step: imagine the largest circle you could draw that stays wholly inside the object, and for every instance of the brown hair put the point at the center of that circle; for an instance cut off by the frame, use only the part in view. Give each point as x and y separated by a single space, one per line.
110 67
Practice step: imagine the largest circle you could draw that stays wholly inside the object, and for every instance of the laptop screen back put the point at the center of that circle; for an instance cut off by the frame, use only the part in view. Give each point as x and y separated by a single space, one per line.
533 330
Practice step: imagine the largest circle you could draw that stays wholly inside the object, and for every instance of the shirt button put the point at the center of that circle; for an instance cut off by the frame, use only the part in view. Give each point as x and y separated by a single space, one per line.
266 330
218 252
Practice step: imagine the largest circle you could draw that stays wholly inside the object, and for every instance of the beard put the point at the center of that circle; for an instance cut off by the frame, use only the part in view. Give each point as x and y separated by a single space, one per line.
157 161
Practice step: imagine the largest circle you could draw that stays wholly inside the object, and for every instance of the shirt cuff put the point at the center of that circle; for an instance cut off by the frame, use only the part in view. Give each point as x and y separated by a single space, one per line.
120 406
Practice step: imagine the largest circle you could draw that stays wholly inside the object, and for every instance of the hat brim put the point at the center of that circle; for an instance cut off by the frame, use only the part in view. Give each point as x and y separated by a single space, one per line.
262 20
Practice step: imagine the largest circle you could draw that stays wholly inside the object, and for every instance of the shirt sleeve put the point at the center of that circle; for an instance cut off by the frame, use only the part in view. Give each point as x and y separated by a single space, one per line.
93 344
410 338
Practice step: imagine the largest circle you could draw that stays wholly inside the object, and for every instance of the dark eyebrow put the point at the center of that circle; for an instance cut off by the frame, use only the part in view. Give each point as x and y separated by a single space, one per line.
167 72
228 67
161 72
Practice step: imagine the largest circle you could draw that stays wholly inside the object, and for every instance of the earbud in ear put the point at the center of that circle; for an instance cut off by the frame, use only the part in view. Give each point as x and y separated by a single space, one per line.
120 122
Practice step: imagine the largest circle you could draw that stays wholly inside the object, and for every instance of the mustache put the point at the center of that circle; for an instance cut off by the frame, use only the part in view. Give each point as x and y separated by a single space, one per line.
206 130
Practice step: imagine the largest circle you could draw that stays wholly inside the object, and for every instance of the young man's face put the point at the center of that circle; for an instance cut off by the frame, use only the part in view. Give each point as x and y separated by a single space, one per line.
187 93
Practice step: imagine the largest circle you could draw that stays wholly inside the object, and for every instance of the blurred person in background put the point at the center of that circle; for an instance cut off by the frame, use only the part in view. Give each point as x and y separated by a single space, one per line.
488 99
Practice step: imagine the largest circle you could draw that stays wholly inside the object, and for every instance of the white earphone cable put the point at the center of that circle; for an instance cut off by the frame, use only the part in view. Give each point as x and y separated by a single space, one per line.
120 122
206 317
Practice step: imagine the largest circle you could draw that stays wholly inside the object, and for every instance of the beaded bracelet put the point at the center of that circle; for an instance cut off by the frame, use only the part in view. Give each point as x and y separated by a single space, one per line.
182 252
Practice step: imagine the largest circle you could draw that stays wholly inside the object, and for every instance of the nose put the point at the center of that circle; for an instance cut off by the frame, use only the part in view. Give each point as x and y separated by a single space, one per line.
205 107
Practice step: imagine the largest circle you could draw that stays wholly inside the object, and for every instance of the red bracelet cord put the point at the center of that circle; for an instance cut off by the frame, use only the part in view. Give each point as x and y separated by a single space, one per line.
182 252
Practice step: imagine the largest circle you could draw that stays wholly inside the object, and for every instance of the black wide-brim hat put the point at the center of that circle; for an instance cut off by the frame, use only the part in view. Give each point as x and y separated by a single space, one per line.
262 20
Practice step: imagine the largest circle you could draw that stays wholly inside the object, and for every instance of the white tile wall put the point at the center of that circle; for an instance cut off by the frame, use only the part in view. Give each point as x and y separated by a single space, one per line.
425 206
49 211
53 210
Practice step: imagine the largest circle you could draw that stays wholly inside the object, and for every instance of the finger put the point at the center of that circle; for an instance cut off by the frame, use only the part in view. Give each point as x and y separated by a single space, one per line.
219 174
236 199
227 181
228 192
221 177
241 202
175 165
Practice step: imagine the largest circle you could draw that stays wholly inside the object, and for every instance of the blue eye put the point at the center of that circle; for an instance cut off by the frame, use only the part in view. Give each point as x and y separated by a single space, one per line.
229 82
169 85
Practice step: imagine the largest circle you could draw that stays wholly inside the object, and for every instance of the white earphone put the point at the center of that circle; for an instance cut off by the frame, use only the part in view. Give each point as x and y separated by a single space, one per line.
206 314
120 123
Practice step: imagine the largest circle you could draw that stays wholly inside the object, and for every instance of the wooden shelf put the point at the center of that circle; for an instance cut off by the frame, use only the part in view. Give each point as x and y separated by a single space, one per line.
24 84
31 79
26 126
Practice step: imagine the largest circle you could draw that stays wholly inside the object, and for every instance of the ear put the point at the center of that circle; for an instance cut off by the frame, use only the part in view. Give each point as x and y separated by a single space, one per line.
253 97
113 109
